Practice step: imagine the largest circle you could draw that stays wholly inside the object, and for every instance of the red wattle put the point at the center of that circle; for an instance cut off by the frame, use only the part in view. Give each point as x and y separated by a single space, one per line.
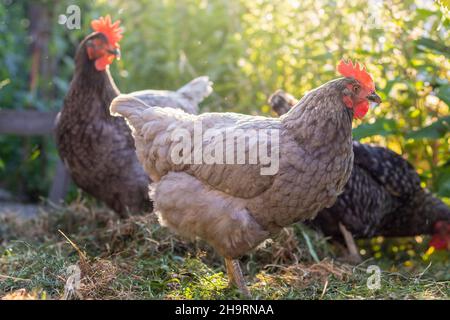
361 109
101 63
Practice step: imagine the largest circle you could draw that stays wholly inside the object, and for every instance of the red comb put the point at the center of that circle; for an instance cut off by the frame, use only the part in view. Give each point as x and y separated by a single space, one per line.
112 31
357 72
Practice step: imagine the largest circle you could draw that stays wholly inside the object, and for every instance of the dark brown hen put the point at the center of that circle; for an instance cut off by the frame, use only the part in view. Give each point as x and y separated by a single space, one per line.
98 149
383 196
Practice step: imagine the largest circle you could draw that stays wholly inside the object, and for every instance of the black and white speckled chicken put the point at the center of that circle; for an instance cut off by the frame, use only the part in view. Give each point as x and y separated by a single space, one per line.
383 197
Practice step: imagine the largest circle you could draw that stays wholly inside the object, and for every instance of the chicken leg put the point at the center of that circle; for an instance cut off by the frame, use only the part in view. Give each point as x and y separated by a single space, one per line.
236 277
354 255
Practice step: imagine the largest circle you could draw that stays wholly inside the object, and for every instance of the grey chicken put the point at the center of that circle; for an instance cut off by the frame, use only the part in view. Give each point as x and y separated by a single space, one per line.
235 206
383 197
98 149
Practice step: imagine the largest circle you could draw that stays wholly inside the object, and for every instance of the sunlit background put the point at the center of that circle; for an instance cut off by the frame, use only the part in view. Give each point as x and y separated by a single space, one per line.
249 49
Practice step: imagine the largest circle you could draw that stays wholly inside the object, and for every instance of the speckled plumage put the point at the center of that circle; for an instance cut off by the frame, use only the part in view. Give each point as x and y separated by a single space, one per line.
98 149
233 207
383 196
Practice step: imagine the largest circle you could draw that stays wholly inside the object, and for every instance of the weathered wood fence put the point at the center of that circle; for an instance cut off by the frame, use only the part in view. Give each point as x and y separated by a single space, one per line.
32 123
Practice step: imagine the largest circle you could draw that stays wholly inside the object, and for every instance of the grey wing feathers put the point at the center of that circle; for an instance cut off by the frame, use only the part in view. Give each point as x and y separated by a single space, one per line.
239 172
157 138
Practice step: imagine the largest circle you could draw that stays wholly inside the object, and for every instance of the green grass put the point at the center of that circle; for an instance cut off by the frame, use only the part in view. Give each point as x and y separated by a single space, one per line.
137 259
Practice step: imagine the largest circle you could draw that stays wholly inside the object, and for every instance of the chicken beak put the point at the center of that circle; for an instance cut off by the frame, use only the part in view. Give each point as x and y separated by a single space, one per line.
374 98
116 52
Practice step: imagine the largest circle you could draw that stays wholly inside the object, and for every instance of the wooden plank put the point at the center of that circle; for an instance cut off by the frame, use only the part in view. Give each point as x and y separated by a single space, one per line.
30 123
27 123
60 184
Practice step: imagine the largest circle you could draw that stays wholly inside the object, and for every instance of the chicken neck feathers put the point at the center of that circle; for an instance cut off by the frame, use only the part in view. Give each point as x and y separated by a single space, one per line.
382 197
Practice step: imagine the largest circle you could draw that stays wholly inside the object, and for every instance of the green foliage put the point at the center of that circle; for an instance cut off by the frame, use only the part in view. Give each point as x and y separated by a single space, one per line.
382 126
28 162
250 49
426 43
436 130
443 180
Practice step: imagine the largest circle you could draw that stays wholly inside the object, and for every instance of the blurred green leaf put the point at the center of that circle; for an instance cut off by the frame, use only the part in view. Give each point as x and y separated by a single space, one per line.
4 82
35 154
436 130
381 126
310 246
433 45
443 180
443 93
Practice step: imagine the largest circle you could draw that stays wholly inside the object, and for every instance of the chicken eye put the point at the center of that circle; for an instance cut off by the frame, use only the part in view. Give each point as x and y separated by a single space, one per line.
356 89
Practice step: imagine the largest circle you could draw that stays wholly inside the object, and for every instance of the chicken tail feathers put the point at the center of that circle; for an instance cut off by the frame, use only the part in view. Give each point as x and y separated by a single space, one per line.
129 107
153 130
197 90
125 105
281 102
